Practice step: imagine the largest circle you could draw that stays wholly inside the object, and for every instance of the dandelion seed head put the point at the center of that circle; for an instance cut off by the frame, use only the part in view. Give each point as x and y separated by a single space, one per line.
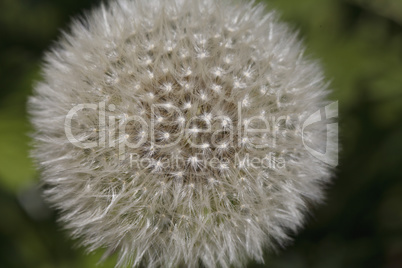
220 68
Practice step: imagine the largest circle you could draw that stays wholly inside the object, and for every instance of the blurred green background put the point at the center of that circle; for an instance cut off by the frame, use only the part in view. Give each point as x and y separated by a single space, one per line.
359 43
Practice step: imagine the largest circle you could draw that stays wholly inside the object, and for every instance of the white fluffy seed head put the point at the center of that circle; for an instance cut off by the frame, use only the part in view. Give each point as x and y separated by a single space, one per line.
220 66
